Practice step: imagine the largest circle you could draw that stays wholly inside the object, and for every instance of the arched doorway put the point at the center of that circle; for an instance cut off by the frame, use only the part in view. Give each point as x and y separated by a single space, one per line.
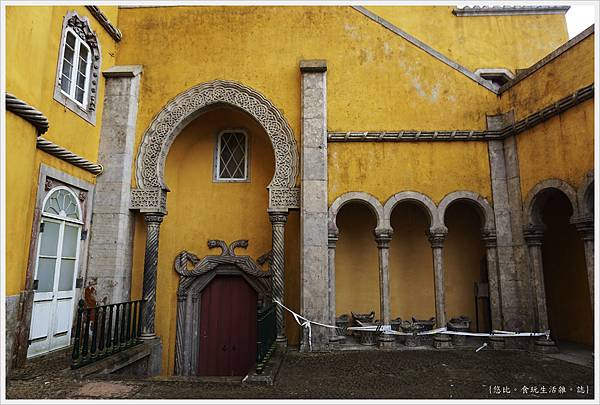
356 261
466 272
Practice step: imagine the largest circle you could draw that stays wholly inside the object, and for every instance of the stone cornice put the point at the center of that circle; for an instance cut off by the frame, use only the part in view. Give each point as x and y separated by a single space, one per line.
522 125
112 30
478 11
548 58
426 48
68 156
27 112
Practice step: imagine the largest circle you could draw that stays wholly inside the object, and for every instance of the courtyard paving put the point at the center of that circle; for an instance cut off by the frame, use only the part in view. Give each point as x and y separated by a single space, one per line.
449 374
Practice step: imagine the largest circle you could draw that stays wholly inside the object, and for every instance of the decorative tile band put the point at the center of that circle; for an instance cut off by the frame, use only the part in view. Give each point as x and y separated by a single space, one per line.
27 112
113 31
530 121
68 156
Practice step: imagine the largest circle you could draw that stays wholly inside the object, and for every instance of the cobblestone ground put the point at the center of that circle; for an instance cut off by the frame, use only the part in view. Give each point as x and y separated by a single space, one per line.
358 375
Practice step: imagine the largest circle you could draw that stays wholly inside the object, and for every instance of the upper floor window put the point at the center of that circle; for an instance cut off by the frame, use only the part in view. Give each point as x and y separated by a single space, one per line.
231 158
75 71
78 67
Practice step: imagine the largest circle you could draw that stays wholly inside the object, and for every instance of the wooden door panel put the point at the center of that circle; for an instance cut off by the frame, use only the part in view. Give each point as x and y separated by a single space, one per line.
227 327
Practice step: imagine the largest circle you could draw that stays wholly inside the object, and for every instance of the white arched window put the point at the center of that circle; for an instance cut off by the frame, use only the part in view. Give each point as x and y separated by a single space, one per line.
55 271
75 68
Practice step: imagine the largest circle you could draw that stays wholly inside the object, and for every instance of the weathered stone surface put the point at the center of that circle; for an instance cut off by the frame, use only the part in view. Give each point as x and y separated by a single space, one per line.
316 292
111 236
12 306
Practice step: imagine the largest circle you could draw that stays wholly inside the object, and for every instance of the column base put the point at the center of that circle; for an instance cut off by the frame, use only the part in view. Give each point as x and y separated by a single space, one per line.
544 345
148 336
496 342
441 341
281 342
386 341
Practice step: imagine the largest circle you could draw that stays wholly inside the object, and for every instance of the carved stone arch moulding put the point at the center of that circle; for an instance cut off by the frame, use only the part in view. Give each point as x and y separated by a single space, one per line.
356 196
415 197
536 198
585 195
484 208
187 106
194 276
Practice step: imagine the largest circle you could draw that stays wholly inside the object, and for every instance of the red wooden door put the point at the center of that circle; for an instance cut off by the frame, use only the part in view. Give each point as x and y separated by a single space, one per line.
227 327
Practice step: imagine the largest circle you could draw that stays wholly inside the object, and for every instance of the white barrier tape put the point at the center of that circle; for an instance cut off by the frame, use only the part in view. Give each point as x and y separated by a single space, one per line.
387 329
481 347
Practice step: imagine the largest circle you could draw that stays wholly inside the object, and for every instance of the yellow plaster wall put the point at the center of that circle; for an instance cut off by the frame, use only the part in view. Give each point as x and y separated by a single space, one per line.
411 264
565 276
561 148
356 262
200 209
386 168
33 36
559 78
480 42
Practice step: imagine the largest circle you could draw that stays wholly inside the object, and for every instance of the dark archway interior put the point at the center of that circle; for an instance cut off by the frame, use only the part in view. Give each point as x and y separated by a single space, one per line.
465 264
565 275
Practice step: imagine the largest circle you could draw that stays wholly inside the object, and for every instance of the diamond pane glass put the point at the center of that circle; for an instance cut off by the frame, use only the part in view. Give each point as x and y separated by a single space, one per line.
232 159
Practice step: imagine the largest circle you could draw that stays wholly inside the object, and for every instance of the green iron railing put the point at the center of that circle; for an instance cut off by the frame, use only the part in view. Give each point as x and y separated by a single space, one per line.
266 334
104 330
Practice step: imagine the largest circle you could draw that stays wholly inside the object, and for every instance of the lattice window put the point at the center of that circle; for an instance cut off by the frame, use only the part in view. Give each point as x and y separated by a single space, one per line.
232 156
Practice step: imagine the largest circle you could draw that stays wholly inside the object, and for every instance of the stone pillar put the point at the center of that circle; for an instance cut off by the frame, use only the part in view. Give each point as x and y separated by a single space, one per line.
585 227
111 235
332 238
489 239
383 238
313 215
278 220
534 236
513 268
436 238
153 221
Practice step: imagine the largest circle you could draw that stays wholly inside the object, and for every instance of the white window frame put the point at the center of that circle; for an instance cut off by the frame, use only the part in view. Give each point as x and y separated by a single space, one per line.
217 161
75 71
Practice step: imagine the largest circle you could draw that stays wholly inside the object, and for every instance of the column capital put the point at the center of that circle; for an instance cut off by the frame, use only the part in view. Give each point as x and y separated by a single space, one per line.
437 236
585 226
383 236
489 238
534 234
153 217
278 217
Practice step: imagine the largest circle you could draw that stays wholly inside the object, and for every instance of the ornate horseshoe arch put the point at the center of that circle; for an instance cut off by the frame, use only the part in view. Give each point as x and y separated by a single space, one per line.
150 194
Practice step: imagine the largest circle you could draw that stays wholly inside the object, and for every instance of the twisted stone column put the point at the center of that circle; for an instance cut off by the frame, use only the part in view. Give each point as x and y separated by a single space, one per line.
585 227
383 238
489 239
436 238
278 220
153 221
534 235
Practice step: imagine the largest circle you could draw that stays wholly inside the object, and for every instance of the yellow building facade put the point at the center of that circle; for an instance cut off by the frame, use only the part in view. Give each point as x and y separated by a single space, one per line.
385 159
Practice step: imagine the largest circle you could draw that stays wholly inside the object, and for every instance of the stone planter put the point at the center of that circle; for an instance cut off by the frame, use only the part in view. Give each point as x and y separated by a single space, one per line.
364 318
460 324
368 337
395 324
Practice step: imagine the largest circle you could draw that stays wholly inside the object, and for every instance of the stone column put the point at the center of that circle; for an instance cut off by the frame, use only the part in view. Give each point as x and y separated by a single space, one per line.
489 239
436 238
332 238
313 206
153 221
111 235
585 227
278 220
534 236
383 238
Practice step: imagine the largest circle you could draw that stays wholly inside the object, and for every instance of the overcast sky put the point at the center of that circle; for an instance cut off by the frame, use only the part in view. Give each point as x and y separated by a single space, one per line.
579 17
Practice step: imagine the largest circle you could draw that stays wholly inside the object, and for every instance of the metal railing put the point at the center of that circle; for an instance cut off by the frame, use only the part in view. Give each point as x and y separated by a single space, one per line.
104 330
266 334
